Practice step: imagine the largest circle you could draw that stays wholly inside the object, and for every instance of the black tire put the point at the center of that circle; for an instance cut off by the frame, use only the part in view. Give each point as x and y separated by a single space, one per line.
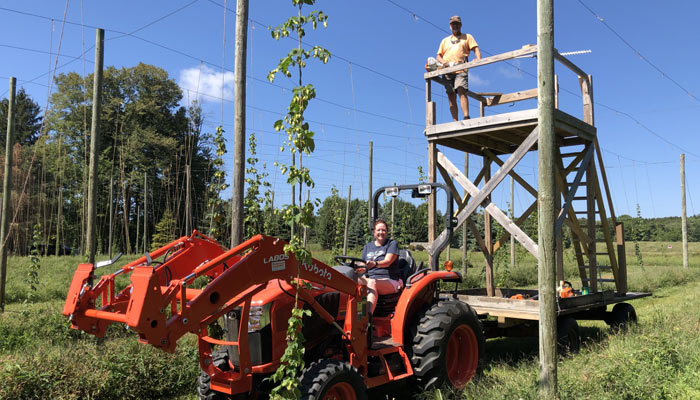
568 336
447 330
621 316
336 376
204 392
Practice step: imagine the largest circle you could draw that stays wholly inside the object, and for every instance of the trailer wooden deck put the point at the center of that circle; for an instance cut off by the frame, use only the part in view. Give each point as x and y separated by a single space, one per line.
502 306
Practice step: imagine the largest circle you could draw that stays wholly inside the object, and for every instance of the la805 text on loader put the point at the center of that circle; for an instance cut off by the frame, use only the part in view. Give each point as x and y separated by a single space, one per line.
430 337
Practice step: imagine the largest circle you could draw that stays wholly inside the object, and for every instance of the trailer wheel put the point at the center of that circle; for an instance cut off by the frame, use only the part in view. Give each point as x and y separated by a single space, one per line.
332 379
621 316
448 346
568 336
204 392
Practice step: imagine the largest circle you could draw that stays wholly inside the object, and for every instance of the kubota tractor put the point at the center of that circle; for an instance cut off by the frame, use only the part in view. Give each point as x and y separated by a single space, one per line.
426 336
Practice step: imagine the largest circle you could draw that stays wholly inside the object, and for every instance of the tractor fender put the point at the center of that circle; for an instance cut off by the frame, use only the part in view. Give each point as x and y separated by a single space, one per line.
417 295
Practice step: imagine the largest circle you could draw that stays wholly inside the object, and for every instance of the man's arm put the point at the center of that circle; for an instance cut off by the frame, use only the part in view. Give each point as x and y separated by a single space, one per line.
477 52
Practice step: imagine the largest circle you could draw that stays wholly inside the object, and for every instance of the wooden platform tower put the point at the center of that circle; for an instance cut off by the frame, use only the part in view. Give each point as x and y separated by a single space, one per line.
503 140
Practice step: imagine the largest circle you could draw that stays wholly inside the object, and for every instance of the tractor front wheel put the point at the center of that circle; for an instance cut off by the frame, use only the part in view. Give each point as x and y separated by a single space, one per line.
332 379
449 345
204 391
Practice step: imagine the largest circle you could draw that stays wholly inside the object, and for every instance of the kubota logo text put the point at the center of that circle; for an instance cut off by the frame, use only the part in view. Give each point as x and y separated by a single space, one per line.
322 272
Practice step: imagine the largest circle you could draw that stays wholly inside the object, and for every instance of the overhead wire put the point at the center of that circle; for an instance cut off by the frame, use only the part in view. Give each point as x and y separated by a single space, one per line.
638 53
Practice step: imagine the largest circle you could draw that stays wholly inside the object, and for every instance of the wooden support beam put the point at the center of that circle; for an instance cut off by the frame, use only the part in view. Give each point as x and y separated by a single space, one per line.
590 222
495 212
468 196
605 227
525 50
511 97
599 156
515 176
512 161
574 163
488 270
519 221
621 257
432 211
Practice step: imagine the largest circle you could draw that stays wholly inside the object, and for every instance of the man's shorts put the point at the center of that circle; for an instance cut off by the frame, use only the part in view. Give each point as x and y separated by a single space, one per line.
453 82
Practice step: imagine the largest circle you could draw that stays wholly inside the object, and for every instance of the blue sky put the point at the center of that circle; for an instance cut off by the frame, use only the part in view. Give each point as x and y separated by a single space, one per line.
642 59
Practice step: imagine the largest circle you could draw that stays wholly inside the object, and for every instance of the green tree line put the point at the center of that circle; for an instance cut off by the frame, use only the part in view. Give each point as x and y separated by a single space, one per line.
146 134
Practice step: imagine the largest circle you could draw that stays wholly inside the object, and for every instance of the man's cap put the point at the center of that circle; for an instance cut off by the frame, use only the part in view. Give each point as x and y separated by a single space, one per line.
455 18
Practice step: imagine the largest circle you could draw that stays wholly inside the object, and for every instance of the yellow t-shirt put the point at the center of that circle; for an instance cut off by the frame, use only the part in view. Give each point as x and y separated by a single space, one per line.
457 49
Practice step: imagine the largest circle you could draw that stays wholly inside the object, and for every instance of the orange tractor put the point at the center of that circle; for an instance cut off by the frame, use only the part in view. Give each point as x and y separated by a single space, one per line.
425 335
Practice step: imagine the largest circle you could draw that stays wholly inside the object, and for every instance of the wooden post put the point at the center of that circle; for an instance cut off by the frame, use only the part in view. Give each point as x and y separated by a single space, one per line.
432 212
621 257
432 165
392 214
347 221
111 215
188 200
294 202
7 189
488 240
512 216
464 226
684 218
94 144
546 273
369 202
239 79
145 212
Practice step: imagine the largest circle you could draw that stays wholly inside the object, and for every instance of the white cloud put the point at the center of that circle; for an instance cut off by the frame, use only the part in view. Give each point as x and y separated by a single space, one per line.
205 84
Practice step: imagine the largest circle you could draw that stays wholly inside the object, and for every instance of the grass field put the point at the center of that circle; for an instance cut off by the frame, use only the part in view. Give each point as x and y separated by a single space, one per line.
41 357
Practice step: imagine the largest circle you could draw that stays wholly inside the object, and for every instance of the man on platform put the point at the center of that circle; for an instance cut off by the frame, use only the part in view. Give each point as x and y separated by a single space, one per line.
454 50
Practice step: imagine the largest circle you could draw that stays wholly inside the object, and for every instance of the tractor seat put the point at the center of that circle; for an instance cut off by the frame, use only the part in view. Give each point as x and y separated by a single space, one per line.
386 303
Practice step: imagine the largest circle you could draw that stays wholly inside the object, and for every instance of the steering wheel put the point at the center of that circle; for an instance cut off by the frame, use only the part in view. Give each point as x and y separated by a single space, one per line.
349 261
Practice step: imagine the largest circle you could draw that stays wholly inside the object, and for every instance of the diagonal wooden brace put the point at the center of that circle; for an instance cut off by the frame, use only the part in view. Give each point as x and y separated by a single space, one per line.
481 196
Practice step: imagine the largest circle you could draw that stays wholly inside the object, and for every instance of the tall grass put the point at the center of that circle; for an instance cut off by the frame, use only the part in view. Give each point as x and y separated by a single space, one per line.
41 357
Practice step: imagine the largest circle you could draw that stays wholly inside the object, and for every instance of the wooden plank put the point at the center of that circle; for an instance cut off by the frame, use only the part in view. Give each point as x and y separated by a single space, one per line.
515 176
506 137
601 166
606 233
590 221
496 213
565 61
572 191
450 184
502 172
574 163
477 235
621 257
488 271
574 126
430 113
512 97
468 196
490 122
519 221
525 50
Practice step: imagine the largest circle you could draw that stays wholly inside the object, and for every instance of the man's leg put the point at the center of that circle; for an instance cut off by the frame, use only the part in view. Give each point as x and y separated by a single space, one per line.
464 102
452 97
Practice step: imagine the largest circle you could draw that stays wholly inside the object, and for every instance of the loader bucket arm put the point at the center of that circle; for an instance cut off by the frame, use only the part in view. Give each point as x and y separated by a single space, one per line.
161 309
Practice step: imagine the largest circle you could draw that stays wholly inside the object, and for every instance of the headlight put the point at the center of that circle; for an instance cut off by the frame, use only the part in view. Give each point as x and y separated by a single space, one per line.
259 317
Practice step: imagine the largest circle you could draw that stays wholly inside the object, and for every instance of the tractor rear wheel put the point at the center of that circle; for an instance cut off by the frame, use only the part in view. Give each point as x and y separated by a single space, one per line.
448 347
332 379
204 392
